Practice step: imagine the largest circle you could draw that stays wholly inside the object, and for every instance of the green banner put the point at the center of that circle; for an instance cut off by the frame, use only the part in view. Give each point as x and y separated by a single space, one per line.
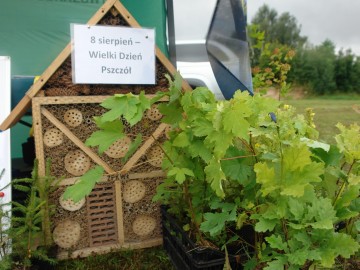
34 32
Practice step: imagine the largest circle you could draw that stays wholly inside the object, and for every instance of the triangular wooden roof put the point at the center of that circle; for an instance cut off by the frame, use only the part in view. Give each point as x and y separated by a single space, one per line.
23 106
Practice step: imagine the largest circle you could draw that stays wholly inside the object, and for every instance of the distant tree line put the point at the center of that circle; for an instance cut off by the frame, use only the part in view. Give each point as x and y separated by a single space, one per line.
319 68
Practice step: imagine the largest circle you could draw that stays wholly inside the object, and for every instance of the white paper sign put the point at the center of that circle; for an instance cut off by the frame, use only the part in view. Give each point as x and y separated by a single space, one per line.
113 55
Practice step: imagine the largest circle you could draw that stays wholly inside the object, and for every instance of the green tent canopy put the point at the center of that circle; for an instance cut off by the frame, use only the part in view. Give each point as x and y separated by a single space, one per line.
34 32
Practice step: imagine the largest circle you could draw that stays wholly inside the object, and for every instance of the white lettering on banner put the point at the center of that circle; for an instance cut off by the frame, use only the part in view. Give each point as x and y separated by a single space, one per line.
113 55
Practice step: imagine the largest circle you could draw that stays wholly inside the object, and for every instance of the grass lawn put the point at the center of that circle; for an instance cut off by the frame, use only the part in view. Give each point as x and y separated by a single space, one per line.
329 112
140 259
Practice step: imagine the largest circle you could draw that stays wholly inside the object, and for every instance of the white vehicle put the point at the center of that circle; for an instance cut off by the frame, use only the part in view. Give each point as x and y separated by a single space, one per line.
192 20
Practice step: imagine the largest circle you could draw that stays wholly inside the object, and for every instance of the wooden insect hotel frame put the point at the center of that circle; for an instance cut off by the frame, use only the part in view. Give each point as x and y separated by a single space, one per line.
119 212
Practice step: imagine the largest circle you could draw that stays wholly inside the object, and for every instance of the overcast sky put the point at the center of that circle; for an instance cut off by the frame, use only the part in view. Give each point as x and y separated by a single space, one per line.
337 20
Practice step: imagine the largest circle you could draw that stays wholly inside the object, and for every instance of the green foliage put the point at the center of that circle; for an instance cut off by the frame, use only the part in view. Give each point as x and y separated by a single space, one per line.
230 164
109 132
4 232
236 166
111 127
347 69
317 68
271 63
122 109
44 186
31 229
85 184
133 147
180 174
293 177
283 29
215 222
321 68
127 109
349 142
129 106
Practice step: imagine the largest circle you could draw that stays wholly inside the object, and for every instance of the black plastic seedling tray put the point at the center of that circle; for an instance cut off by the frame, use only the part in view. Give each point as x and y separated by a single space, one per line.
183 252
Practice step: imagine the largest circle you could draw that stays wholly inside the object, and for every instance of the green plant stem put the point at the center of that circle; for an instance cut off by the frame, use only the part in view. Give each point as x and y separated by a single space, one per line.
28 252
257 236
349 225
187 197
162 149
258 245
238 157
341 190
283 224
286 234
250 148
46 224
341 168
281 153
241 239
29 225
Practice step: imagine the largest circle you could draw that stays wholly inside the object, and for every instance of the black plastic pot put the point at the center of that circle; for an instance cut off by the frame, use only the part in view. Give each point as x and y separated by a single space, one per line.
183 252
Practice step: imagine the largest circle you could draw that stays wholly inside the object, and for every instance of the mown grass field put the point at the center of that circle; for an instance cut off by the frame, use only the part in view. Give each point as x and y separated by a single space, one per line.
329 111
141 259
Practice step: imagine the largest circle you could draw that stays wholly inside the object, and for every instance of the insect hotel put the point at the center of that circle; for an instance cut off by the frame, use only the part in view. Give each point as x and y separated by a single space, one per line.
119 212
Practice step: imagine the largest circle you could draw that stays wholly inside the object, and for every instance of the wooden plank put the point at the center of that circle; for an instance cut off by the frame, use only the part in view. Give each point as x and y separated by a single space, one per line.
131 176
153 174
38 137
119 213
73 180
101 12
126 15
25 103
159 54
45 76
141 151
71 100
143 244
101 215
109 248
65 53
79 99
19 111
170 67
76 140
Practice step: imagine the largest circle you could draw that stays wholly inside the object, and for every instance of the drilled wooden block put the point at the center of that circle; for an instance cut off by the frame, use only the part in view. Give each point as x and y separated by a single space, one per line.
101 213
